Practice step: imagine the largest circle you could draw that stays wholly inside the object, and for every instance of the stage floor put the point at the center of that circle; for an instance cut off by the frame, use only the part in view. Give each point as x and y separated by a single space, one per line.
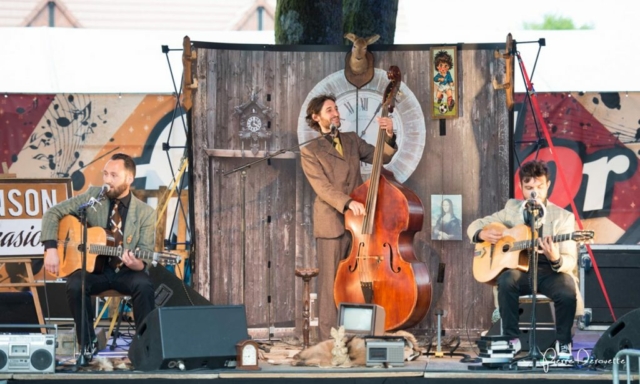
277 368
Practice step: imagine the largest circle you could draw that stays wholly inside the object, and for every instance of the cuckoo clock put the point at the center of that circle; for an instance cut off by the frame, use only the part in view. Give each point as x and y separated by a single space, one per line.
255 121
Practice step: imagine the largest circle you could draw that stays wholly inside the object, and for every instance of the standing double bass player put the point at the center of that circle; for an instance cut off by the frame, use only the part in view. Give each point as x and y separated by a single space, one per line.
332 167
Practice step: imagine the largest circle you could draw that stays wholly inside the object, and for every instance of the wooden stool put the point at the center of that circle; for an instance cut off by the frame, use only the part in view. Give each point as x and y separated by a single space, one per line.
306 274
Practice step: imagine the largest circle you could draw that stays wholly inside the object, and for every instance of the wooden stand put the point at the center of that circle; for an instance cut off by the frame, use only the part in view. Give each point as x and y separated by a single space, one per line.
31 283
307 274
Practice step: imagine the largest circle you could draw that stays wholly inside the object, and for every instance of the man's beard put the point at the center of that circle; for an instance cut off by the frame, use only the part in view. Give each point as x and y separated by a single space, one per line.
114 193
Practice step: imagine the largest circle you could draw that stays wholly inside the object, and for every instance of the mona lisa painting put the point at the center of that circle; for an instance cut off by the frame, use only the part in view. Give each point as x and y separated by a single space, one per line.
446 213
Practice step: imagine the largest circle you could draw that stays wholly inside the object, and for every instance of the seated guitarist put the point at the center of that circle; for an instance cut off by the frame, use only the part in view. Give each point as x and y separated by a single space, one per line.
557 262
127 274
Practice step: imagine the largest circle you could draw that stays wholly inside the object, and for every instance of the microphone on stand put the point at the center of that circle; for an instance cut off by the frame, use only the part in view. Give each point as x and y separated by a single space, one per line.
103 191
332 132
530 206
92 201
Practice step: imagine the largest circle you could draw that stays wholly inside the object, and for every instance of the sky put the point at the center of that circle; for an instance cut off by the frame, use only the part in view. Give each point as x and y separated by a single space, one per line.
510 15
603 59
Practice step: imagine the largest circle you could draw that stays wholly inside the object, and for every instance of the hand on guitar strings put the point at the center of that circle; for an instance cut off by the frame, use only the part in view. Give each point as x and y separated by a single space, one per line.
129 259
548 248
491 235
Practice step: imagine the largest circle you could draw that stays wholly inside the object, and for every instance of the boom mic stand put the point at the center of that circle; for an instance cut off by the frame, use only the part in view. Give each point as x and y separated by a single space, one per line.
533 212
243 168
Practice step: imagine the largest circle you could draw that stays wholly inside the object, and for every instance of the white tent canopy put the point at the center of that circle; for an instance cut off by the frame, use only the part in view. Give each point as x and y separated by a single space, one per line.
53 60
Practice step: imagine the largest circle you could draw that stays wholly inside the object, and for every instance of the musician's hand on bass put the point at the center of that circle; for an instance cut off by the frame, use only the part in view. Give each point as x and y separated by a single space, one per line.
130 260
52 261
356 207
490 235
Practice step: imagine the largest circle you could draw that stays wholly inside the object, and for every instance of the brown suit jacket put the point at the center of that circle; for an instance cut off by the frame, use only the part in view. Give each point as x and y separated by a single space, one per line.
334 177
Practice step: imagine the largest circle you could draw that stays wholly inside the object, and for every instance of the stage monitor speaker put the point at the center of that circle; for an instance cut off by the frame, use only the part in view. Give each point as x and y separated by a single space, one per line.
27 353
623 334
170 291
188 337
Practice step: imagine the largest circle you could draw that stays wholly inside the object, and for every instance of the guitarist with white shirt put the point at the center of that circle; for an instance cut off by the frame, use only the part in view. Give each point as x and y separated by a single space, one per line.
557 261
127 274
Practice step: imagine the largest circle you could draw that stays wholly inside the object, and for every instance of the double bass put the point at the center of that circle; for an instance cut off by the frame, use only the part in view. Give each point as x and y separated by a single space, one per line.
381 267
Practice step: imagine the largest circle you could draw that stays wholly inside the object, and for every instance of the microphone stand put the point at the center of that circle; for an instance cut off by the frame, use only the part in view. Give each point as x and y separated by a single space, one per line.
243 232
82 210
534 354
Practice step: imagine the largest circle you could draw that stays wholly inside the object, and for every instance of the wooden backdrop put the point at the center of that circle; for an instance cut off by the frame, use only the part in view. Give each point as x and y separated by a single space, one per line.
251 263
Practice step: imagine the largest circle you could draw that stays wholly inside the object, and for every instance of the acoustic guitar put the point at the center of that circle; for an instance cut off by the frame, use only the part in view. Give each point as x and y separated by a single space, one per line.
510 252
101 246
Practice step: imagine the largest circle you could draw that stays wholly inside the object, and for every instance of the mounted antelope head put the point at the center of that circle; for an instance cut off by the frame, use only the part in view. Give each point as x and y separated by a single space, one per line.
358 63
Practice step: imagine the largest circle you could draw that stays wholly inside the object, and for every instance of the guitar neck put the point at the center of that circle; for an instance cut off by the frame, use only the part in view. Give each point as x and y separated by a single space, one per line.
106 250
525 244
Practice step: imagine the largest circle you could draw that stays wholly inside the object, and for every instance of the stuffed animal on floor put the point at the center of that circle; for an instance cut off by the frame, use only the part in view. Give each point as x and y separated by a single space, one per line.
330 353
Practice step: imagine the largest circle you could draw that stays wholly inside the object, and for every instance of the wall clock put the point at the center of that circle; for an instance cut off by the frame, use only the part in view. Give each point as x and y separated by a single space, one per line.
358 115
254 121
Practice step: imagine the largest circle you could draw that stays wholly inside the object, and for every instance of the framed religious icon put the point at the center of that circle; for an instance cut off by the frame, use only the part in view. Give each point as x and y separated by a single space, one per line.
445 82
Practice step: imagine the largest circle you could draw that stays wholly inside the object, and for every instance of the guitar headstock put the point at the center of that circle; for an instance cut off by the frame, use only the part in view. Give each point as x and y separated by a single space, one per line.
582 236
165 259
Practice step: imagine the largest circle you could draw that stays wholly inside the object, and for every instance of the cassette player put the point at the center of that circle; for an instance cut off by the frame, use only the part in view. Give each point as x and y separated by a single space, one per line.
384 350
27 352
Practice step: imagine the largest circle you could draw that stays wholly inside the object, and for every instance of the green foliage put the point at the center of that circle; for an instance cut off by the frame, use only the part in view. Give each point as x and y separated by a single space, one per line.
308 22
326 21
555 22
369 17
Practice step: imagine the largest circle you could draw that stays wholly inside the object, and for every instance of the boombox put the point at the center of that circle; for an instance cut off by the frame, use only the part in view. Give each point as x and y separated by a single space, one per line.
21 353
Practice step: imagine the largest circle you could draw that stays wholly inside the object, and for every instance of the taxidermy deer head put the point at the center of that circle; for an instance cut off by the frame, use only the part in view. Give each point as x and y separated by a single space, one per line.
358 61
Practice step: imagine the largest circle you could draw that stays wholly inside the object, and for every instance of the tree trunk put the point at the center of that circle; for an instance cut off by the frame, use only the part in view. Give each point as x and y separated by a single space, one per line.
309 22
369 17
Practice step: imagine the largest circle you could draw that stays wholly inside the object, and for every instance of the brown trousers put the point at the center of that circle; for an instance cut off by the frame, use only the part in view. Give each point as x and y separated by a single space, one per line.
329 253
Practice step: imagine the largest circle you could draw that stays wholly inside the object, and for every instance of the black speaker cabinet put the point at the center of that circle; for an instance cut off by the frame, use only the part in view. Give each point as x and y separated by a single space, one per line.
189 337
623 334
619 266
170 291
545 326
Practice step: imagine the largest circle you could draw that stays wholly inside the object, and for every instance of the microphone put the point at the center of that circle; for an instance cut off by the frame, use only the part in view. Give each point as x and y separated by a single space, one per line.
103 191
92 201
332 132
530 206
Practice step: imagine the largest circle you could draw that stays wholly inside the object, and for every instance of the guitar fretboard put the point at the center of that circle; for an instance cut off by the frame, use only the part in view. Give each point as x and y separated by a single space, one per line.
117 251
525 244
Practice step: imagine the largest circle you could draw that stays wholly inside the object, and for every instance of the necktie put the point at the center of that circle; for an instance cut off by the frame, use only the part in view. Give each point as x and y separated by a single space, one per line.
115 222
337 145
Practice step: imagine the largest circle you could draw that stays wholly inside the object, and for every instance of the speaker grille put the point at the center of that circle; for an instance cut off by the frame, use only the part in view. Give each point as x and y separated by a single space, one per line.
3 360
41 359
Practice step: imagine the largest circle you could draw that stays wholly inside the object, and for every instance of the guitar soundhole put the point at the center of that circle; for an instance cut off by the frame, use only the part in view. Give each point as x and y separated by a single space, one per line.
505 248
